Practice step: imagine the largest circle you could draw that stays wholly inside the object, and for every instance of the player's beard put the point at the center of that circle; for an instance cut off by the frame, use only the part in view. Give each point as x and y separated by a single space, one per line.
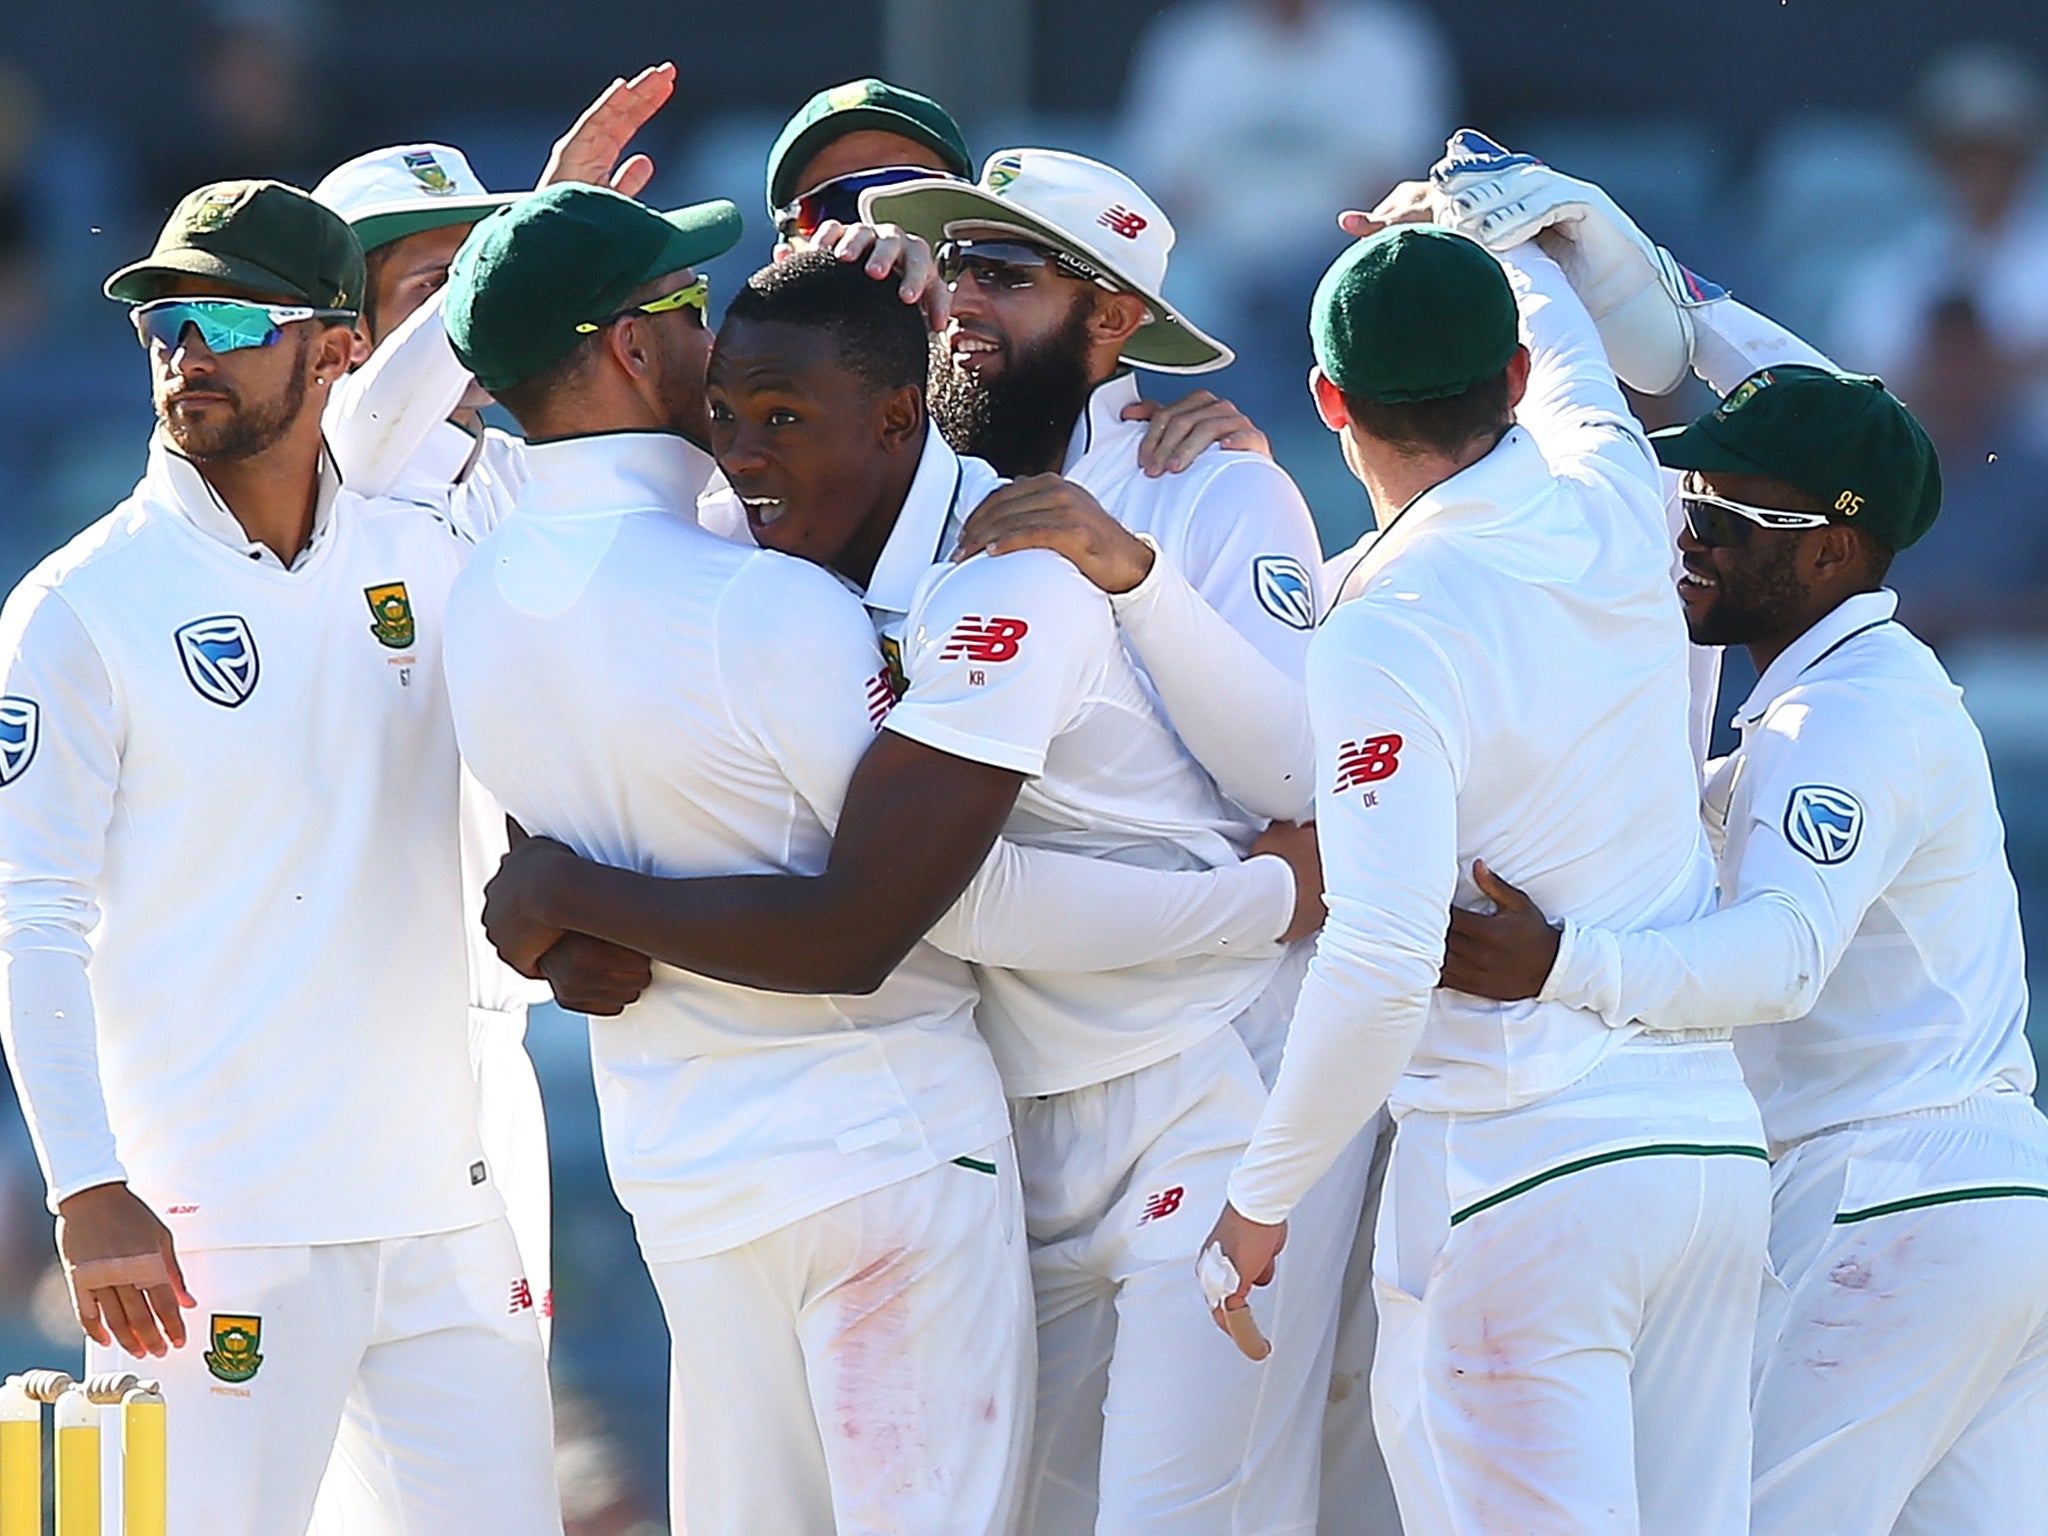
1020 418
247 430
1759 597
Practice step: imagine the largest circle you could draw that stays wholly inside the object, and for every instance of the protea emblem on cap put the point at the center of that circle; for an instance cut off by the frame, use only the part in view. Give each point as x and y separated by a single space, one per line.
1004 171
215 212
853 94
1745 392
426 170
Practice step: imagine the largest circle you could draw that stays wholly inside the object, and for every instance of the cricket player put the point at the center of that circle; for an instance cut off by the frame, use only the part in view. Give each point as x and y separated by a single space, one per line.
231 910
1056 266
1015 678
1869 935
407 423
823 1185
1570 1242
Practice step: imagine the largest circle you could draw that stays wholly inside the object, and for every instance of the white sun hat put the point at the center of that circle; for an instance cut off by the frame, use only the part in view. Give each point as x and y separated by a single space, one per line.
1091 211
388 194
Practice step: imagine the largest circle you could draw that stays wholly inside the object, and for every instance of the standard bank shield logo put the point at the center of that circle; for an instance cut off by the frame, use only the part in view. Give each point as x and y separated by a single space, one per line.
1285 590
1823 822
21 727
220 657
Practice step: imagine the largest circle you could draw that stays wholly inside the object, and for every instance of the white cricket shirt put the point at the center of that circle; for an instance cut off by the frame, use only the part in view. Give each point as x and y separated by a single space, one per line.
1866 899
663 700
387 425
1508 681
1220 626
230 904
1015 660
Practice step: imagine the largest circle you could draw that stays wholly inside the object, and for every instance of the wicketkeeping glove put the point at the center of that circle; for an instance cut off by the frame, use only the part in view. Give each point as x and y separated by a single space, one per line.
1636 293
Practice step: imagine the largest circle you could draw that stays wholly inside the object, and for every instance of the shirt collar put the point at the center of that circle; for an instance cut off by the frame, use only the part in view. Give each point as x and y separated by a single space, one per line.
1853 615
926 529
1102 427
178 484
1503 479
606 473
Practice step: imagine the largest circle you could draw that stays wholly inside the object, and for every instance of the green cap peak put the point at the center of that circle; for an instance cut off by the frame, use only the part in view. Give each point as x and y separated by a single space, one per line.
848 108
1413 312
565 256
260 236
1842 438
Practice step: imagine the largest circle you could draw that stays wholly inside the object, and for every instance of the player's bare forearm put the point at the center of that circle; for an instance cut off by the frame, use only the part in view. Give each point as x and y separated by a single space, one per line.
917 824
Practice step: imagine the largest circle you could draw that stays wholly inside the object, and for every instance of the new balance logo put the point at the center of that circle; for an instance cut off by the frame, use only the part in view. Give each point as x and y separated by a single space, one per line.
1367 761
522 1297
1163 1204
977 639
881 698
1120 220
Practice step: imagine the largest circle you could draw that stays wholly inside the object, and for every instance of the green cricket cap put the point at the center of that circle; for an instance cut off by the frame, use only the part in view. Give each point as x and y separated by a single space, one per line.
848 108
565 256
1413 312
1842 438
259 235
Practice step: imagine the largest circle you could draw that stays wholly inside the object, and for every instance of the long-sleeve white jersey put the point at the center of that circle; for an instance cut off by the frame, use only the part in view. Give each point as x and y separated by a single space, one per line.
1869 920
387 425
1220 626
737 691
1508 683
230 905
1015 660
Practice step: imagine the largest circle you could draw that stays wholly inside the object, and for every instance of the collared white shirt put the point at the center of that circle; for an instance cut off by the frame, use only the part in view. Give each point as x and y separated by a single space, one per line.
1220 626
230 901
1014 660
1508 682
1870 927
663 700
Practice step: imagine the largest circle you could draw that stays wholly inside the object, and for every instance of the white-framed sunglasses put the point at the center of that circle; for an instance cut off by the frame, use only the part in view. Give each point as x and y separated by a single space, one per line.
1716 521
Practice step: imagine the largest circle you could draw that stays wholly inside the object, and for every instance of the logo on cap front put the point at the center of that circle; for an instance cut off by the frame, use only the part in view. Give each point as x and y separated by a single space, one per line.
1119 220
1745 392
214 212
1004 171
426 170
844 96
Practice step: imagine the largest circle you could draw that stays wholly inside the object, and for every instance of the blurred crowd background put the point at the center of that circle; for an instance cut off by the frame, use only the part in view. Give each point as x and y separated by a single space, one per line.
1874 174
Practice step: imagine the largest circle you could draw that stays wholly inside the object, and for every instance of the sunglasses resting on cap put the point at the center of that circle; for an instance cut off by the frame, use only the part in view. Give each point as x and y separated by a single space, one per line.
839 199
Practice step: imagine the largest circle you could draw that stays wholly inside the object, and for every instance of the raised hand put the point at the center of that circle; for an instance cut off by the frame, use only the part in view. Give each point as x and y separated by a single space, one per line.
590 151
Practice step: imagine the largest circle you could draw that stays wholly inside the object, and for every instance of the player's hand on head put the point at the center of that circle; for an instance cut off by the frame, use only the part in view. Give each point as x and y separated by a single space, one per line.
518 902
1177 433
122 1270
1050 512
590 151
595 976
1296 843
1505 954
884 249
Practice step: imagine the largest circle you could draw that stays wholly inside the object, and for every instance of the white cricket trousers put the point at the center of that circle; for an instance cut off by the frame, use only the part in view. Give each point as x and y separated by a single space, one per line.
1903 1370
1149 1419
412 1364
864 1371
1568 1297
514 1134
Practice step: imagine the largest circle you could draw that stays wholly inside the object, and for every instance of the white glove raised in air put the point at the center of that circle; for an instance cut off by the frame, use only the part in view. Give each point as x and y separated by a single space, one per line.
1636 293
